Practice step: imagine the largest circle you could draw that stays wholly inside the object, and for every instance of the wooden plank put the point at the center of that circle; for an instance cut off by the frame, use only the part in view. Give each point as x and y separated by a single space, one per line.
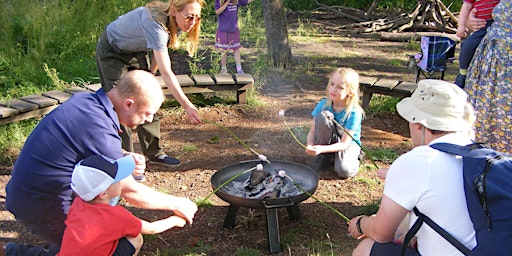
28 115
367 80
7 112
203 80
92 87
388 84
244 79
221 79
185 80
193 89
75 89
406 87
60 96
41 101
21 105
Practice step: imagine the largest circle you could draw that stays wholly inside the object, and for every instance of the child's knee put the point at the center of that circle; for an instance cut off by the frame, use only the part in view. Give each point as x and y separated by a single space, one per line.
346 172
136 241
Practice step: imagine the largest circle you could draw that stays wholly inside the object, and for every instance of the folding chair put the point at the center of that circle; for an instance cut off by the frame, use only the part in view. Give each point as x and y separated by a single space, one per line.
436 51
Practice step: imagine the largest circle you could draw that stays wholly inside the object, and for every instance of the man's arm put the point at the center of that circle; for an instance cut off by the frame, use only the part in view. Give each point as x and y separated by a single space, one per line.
142 196
381 226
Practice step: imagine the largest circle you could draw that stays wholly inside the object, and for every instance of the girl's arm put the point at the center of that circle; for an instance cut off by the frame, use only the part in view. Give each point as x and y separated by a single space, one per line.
310 140
336 147
222 7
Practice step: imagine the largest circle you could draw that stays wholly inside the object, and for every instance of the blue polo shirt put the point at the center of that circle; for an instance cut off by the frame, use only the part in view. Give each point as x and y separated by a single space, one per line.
84 125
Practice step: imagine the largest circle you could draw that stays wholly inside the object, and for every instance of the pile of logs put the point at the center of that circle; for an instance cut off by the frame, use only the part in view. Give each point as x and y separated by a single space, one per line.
427 16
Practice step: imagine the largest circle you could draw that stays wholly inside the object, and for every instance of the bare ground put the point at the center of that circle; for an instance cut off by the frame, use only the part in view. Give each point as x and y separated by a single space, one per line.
320 231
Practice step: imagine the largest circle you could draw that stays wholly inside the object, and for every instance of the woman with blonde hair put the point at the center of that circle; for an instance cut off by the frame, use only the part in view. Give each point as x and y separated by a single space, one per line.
125 45
335 134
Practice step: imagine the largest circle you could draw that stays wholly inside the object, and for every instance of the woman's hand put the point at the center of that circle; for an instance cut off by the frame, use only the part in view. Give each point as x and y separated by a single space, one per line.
193 115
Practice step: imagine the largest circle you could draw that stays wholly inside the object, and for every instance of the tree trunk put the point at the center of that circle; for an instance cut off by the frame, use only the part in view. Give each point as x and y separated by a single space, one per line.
279 52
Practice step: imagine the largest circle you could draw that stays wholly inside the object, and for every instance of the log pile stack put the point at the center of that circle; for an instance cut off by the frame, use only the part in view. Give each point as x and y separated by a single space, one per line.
427 16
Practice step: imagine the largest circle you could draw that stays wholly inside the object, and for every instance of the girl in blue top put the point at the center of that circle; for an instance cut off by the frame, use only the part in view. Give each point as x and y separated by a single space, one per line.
327 141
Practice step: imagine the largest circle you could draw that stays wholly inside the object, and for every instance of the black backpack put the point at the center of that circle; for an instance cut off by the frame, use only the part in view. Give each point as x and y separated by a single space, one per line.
488 188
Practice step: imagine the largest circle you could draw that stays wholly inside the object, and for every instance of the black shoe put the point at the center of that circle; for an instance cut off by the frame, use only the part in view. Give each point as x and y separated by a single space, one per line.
165 160
460 80
321 162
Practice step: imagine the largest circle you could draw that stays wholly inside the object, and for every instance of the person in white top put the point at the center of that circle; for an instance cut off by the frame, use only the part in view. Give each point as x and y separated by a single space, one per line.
424 178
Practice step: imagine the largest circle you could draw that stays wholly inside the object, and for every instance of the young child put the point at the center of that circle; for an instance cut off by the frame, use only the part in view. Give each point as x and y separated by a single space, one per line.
228 32
483 10
93 226
326 140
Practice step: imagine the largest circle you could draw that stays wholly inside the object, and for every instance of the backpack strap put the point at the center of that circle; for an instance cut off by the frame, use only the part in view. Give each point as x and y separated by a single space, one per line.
424 218
456 149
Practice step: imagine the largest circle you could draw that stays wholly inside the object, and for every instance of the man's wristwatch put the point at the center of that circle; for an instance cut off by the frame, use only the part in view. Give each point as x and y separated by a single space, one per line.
358 225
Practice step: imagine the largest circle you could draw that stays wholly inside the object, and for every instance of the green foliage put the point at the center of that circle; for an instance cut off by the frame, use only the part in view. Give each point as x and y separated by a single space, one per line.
12 137
383 155
382 104
243 251
189 147
368 209
204 203
200 249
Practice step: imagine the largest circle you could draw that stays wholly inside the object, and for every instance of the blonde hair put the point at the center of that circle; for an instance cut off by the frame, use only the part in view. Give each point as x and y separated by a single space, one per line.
351 79
159 11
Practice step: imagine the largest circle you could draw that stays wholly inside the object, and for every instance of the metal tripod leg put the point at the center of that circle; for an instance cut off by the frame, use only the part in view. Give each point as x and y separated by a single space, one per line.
273 230
294 212
229 221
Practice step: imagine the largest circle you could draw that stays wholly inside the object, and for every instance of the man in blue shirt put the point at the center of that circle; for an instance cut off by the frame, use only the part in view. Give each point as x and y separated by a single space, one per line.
39 193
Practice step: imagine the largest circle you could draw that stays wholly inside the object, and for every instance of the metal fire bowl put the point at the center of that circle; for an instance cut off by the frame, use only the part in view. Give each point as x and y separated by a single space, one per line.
301 174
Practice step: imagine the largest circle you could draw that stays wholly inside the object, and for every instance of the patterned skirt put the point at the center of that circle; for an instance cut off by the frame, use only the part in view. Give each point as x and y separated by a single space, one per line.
489 83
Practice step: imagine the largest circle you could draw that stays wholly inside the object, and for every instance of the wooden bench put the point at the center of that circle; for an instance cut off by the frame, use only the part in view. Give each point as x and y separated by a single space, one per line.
370 85
204 83
37 105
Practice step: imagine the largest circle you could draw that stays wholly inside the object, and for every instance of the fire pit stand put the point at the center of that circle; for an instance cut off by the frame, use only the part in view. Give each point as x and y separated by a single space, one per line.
299 174
272 221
